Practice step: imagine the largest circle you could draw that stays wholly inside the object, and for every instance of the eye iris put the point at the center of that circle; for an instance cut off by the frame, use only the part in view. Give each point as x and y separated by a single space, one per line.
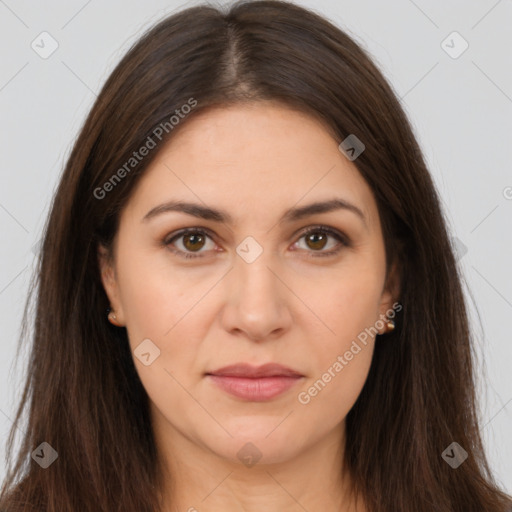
316 238
194 238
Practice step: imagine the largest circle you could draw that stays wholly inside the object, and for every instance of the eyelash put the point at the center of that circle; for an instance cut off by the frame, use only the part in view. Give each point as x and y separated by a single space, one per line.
344 241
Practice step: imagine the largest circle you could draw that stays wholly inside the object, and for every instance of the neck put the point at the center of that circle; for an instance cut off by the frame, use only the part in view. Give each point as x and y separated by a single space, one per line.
200 480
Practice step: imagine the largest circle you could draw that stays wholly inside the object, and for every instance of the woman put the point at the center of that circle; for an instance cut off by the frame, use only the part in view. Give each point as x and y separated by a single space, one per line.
247 298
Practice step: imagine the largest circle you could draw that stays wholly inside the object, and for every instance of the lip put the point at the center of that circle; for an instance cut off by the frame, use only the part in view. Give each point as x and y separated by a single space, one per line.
256 384
249 371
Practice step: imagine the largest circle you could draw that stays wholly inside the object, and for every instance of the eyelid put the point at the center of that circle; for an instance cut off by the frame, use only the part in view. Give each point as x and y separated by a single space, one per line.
168 240
344 240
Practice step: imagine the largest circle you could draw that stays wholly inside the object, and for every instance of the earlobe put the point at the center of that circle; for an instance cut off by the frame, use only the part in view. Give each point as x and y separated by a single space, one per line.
390 297
109 282
112 318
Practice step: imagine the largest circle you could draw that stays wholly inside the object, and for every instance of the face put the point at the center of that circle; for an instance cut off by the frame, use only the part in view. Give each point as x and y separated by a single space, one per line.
258 278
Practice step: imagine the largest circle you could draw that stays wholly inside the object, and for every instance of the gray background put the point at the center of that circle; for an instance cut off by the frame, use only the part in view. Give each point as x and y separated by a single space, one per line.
461 110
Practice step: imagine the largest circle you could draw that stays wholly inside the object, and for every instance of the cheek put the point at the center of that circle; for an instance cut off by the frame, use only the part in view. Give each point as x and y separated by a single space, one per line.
154 295
348 305
340 360
342 349
331 395
165 307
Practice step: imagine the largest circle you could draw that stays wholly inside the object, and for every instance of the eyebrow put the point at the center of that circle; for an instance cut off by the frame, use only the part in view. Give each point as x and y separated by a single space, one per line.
290 215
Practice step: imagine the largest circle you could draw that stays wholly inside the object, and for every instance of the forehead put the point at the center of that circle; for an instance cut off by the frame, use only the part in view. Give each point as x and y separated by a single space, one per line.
251 159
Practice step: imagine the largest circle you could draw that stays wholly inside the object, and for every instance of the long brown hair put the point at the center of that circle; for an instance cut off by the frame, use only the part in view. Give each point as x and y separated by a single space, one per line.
82 391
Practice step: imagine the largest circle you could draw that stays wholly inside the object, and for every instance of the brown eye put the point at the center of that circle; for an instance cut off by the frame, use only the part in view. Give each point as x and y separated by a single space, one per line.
316 241
193 242
189 242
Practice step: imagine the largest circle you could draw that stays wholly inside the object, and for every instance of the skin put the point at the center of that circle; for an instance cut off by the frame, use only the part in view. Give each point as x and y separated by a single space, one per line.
288 306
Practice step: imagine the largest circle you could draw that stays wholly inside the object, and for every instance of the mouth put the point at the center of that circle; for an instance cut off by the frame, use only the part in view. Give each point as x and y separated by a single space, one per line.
256 384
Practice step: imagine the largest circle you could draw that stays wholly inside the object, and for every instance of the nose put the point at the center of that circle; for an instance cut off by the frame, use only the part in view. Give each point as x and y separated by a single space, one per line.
257 301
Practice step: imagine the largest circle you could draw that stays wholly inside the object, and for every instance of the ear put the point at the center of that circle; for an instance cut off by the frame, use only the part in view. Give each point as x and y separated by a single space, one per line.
391 293
109 280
